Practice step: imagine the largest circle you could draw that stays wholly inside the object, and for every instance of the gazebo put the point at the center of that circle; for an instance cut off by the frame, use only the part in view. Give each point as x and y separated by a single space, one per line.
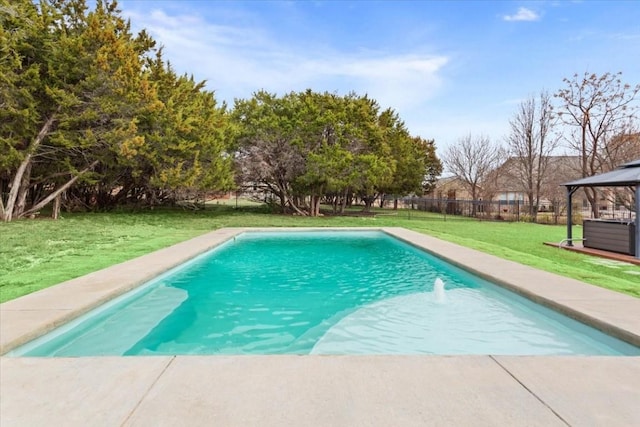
610 234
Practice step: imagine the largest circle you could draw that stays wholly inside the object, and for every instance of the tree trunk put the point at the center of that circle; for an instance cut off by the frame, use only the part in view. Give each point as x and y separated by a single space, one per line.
368 203
15 186
533 207
26 162
54 194
312 205
474 194
295 208
55 213
23 191
592 197
343 202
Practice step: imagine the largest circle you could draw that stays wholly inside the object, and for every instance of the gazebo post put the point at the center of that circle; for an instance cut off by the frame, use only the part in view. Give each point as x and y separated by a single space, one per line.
637 223
570 191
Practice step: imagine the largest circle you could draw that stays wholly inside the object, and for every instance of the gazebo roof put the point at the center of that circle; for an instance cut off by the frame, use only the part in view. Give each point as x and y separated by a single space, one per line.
627 174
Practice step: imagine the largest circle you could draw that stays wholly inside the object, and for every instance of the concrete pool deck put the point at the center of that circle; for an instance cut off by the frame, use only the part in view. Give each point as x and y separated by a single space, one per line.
319 390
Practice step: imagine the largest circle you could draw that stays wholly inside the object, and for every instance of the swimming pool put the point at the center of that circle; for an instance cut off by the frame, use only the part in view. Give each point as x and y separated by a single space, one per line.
353 292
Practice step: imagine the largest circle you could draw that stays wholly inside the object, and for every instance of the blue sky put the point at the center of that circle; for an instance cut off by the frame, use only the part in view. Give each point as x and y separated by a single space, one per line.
449 68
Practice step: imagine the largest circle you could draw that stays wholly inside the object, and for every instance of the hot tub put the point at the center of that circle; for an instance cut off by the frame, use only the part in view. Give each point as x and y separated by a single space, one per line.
610 235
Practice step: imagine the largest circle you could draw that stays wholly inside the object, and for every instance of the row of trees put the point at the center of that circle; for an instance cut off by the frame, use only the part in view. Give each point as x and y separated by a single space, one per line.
310 147
92 117
594 118
94 113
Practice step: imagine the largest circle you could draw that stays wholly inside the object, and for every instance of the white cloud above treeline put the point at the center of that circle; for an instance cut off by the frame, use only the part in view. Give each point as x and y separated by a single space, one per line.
523 14
238 61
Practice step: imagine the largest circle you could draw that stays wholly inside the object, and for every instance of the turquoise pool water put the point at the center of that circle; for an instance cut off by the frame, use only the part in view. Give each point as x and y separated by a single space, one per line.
321 292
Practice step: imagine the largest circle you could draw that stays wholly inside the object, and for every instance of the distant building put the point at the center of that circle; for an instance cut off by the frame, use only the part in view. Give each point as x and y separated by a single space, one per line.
507 185
451 188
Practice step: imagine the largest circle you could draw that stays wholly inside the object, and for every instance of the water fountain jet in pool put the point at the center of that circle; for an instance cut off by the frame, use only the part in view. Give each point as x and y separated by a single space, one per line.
438 291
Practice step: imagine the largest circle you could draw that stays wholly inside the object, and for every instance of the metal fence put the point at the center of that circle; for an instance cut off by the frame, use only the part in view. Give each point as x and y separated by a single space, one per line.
461 209
496 210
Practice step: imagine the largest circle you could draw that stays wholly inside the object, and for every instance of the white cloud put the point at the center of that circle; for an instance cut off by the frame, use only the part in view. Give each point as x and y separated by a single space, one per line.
239 61
625 36
523 14
397 81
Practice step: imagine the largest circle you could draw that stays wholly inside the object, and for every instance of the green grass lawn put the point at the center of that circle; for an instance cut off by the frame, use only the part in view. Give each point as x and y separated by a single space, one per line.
38 253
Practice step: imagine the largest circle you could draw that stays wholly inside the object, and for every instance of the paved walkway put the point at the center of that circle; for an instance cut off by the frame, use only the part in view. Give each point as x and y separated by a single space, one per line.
319 390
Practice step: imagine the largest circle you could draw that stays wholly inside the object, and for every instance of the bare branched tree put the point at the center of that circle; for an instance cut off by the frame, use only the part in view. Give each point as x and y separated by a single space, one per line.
621 149
597 109
561 169
531 144
471 159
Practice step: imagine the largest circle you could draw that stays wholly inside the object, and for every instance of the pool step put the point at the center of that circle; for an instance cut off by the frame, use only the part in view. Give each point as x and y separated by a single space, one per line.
117 332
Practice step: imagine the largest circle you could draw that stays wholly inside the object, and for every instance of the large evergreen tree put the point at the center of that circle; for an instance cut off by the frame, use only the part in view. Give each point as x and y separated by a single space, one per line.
307 147
81 73
89 111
